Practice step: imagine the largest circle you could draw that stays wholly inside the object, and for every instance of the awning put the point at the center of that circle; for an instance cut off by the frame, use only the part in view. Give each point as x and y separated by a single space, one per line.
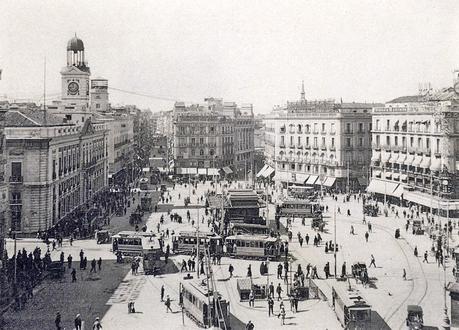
388 175
283 176
409 159
312 179
227 170
362 181
396 176
329 181
146 169
385 157
425 162
403 177
417 161
260 173
268 172
202 171
401 158
213 171
419 198
436 164
381 187
398 191
376 157
301 178
377 173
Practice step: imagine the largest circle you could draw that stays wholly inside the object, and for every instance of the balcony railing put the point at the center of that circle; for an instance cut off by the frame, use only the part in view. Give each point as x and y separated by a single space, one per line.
307 146
16 202
332 148
315 147
323 147
292 146
16 179
299 146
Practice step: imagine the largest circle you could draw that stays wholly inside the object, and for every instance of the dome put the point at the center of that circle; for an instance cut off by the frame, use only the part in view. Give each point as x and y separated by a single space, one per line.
75 44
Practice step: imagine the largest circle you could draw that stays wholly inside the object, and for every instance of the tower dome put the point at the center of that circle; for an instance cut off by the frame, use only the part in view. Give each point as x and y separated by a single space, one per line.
75 44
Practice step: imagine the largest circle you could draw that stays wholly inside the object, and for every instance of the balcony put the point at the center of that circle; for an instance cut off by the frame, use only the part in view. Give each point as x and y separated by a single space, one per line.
348 132
282 145
16 201
315 132
315 147
323 132
333 133
16 179
282 130
360 132
323 147
348 148
292 146
300 131
308 131
308 146
299 146
332 148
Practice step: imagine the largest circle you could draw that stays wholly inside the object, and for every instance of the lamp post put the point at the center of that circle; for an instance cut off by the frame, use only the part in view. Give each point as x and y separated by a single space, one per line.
446 320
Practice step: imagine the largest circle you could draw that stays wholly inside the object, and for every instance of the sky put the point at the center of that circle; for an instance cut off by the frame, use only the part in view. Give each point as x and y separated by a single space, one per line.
244 51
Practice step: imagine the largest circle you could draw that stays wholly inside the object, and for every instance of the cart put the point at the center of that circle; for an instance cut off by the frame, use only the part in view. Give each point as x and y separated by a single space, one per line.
103 237
414 317
244 286
417 227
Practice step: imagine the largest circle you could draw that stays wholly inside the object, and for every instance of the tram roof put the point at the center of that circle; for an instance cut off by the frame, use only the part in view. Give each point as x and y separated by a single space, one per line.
244 237
297 201
247 225
351 298
196 287
130 233
193 233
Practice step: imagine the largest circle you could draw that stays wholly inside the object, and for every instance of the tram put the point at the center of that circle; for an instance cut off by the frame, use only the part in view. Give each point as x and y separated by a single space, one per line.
186 241
351 309
298 208
203 307
253 246
132 243
302 192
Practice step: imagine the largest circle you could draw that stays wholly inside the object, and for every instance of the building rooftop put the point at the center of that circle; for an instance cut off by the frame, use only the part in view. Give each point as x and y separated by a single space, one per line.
32 118
444 94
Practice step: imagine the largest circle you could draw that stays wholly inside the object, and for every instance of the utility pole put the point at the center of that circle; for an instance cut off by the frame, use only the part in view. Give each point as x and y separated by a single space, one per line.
334 237
348 185
446 321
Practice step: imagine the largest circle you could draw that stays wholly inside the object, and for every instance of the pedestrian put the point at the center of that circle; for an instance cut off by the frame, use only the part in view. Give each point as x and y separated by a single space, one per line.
85 263
57 321
307 239
78 322
279 271
425 257
279 292
270 306
93 266
251 299
366 236
249 271
404 274
69 261
372 262
97 325
249 326
74 279
230 270
99 263
162 292
282 314
168 304
271 290
416 251
343 270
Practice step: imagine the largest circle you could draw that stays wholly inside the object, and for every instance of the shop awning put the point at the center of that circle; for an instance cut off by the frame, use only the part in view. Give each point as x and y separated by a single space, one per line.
376 157
425 162
329 181
436 164
388 175
283 177
268 172
377 173
202 171
227 170
417 161
260 173
396 176
312 179
409 159
362 181
301 178
213 171
381 187
401 158
385 157
403 177
398 191
146 169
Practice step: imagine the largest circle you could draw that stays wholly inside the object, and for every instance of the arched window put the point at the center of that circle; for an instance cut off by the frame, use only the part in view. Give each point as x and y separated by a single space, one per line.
201 152
211 152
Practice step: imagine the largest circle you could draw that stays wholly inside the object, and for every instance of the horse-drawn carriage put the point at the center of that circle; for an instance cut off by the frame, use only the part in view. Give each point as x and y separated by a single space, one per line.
370 210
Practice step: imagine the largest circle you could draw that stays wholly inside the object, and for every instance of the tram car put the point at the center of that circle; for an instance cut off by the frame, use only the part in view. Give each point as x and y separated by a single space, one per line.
203 306
253 247
352 311
298 208
186 242
370 210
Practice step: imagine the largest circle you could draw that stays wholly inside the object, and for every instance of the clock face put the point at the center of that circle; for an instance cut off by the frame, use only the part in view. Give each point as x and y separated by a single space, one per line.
456 87
73 88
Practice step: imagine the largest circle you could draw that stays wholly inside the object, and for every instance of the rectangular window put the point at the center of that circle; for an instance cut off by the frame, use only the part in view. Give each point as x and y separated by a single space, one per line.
378 142
377 124
315 127
333 142
323 127
404 142
428 143
315 142
360 142
360 127
437 147
307 140
387 124
332 128
388 141
396 140
411 142
348 142
16 169
348 127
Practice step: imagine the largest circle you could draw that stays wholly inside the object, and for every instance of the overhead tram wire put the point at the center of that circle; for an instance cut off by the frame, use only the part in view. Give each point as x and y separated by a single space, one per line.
156 97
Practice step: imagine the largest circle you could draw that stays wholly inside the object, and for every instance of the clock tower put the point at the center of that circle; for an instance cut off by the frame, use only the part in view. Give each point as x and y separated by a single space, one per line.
75 77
